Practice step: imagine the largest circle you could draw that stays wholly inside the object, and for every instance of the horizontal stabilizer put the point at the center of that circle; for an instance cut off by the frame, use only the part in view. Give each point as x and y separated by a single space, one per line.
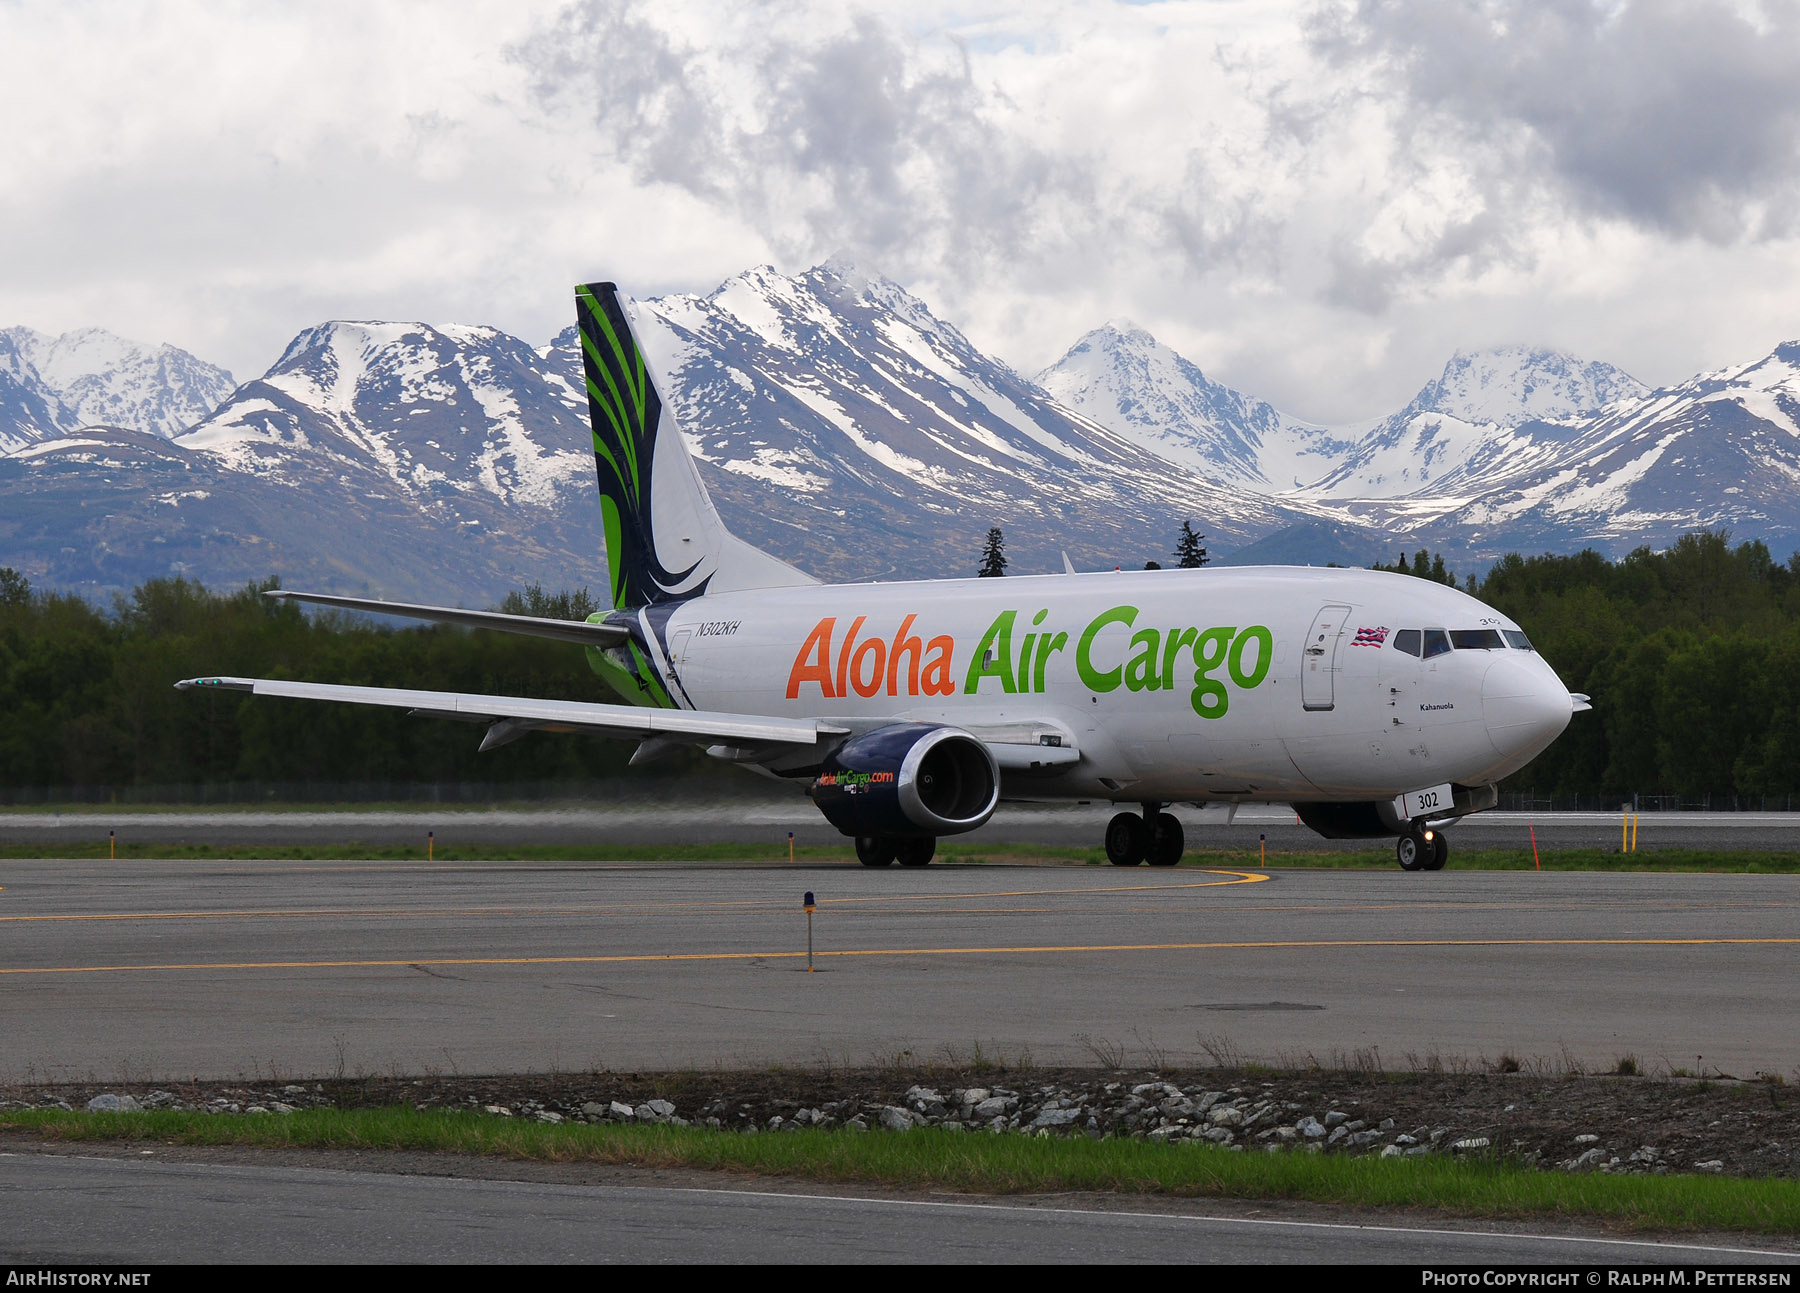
596 635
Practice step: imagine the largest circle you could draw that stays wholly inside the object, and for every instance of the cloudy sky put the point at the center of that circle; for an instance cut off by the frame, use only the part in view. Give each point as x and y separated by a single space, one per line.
1317 202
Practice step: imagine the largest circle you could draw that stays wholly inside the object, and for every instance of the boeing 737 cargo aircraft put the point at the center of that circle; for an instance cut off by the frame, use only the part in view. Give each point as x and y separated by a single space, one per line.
1374 704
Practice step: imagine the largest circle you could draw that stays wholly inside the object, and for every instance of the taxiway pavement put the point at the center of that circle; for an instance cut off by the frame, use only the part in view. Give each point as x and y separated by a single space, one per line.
222 969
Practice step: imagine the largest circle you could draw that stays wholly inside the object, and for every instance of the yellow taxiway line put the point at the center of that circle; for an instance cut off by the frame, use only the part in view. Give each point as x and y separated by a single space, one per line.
419 963
1232 878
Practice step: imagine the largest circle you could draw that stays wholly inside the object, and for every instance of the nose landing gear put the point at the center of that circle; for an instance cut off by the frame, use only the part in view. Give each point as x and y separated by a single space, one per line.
1422 849
1155 837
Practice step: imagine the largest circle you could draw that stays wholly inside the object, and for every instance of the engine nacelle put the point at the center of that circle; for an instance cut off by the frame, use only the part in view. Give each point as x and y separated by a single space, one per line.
908 780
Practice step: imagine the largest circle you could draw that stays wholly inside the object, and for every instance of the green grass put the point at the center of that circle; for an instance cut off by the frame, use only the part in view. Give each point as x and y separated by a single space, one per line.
981 1163
1380 858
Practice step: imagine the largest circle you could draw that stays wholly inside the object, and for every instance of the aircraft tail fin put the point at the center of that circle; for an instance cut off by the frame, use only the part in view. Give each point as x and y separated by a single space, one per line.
664 540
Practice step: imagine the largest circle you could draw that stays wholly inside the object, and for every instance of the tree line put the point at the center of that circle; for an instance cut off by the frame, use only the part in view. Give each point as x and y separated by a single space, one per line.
88 696
1691 656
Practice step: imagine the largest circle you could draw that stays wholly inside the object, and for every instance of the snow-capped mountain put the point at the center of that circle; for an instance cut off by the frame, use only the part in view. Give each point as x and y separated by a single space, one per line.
1722 449
844 427
401 460
1125 379
29 410
437 414
1513 384
1491 416
849 429
104 380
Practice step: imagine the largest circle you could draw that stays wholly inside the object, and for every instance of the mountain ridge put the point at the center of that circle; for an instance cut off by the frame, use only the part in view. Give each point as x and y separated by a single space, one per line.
841 424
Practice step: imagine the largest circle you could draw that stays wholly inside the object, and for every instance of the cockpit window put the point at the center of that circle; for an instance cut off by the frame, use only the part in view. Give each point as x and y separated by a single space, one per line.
1407 640
1437 642
1476 640
1517 640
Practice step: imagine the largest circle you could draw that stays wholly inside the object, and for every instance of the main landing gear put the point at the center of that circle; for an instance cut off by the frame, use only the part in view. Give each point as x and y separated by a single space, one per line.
1155 838
885 850
1422 849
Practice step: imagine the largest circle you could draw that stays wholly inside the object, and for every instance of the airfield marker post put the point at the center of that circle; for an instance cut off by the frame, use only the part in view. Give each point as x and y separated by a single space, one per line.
1535 864
1262 849
1634 818
806 902
1624 826
431 846
111 840
791 851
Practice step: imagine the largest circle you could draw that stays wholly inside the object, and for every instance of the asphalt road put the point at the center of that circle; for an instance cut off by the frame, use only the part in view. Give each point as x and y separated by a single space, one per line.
770 820
222 969
112 1210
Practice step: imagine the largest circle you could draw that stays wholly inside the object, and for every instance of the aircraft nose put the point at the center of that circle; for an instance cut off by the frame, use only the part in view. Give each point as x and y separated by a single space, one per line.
1524 706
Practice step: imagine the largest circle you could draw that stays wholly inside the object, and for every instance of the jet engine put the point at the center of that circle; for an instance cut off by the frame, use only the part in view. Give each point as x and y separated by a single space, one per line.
908 780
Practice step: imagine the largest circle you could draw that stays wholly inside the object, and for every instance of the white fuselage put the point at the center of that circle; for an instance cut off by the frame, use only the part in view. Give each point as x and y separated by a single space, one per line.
1264 683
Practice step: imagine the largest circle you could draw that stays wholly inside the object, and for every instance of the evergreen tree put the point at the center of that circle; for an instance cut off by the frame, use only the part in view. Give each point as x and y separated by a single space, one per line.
15 589
1425 565
535 602
1189 555
993 556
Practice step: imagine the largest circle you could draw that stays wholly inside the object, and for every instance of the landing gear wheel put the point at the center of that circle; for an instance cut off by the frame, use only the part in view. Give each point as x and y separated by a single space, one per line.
1440 851
875 850
1414 851
917 852
1166 841
1125 840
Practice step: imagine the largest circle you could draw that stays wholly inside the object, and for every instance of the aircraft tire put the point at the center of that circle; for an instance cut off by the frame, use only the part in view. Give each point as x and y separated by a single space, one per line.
1413 851
1125 840
1440 851
876 850
1166 841
917 852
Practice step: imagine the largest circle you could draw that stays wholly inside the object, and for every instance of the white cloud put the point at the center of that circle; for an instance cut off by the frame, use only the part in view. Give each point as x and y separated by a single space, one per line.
1316 203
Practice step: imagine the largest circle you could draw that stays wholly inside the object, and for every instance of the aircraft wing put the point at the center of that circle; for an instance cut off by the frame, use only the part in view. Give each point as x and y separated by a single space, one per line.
513 716
600 635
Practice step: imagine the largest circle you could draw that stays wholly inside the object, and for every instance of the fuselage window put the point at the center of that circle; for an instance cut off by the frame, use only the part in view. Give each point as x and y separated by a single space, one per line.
1407 640
1476 640
1517 640
1437 642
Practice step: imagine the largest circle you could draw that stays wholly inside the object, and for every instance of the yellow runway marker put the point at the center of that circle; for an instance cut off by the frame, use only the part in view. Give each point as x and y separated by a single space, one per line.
589 909
864 907
421 962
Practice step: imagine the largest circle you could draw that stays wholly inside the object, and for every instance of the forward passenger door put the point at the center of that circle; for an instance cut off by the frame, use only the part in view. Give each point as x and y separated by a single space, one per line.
1321 657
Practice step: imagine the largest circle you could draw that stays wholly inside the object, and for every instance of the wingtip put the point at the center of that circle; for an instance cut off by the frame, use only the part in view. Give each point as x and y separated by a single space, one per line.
216 684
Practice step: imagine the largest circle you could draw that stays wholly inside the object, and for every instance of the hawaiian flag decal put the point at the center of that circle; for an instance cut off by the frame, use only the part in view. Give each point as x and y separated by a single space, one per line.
1370 637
